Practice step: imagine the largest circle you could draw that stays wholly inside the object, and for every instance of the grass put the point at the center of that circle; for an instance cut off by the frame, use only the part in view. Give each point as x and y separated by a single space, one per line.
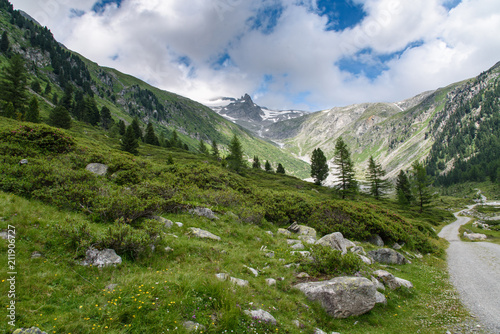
480 212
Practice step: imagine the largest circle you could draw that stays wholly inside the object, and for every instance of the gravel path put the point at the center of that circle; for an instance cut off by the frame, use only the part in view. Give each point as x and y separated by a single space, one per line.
475 272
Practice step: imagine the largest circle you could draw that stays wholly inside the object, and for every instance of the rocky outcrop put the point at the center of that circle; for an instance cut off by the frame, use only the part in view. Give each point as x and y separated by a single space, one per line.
342 297
262 316
103 258
388 256
97 169
199 233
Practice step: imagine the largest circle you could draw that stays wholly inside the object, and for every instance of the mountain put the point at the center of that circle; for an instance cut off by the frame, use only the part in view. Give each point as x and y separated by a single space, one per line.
246 113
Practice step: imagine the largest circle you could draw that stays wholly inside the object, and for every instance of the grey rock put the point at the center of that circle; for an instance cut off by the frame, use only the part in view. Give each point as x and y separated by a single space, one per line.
111 287
358 250
191 326
167 223
292 241
403 282
179 224
284 232
342 297
380 298
391 281
388 256
270 233
97 169
32 330
475 236
253 271
318 331
270 281
296 265
297 323
335 240
308 239
104 258
270 254
298 246
168 249
222 276
261 315
365 259
376 240
23 162
204 212
198 232
302 275
306 231
36 255
396 246
239 282
377 283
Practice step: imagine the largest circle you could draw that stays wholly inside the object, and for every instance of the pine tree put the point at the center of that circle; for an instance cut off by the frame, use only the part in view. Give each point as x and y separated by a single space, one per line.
421 184
345 173
319 166
403 189
9 110
35 86
150 137
48 89
67 99
92 115
280 169
137 129
170 160
215 150
60 117
268 166
13 83
106 119
174 141
256 162
235 158
4 43
122 128
375 175
129 141
202 147
33 114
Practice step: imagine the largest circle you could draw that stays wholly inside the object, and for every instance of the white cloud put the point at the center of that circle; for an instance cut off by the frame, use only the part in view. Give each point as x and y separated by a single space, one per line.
174 45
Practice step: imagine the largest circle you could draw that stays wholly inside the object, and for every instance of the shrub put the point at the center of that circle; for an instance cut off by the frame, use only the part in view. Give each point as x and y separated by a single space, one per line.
327 261
41 137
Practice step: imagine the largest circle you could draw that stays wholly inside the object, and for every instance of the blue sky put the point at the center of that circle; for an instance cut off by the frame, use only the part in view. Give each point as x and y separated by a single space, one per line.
302 54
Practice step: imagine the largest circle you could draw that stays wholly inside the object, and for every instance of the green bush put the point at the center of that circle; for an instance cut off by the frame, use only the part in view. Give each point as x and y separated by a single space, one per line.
327 261
41 137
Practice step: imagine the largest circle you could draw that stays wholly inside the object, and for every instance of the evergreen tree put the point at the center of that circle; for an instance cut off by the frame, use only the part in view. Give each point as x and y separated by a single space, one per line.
129 141
403 189
91 113
215 149
345 173
33 114
256 162
106 119
67 99
319 166
280 169
9 110
375 175
137 128
55 99
13 83
60 117
4 43
35 86
185 147
170 160
162 140
122 128
150 137
421 184
48 89
268 166
235 158
202 147
174 141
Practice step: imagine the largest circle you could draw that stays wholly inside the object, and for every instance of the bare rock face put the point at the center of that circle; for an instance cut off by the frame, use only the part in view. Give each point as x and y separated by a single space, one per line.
388 256
342 297
97 169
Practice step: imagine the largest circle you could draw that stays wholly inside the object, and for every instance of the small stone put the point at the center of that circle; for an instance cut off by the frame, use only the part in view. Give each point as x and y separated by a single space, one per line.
298 246
365 259
179 224
297 323
197 232
204 212
111 287
270 281
308 239
262 316
253 271
36 255
167 223
97 169
270 233
296 265
396 246
222 276
168 249
292 241
239 282
23 162
284 232
270 254
318 331
191 326
303 275
380 298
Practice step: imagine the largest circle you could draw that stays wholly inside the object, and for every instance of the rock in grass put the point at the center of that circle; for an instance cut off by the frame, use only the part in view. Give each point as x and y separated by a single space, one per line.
376 240
388 256
97 169
365 259
380 298
262 316
239 282
298 245
198 232
32 330
167 223
253 271
342 297
475 236
391 281
222 276
36 255
191 326
284 232
104 258
204 212
335 240
270 281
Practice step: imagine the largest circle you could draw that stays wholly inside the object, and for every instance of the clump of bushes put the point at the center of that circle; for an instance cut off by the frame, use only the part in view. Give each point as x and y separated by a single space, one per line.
331 262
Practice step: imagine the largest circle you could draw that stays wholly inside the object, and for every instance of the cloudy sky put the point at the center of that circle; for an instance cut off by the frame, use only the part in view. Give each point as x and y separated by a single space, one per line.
303 54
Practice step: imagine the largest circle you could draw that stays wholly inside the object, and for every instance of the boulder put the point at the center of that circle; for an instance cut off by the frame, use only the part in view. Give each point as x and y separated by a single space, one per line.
239 282
396 246
388 256
32 330
191 326
284 232
198 232
335 240
308 239
377 283
104 258
380 298
475 236
391 281
262 316
97 169
365 259
342 297
292 241
298 246
270 281
376 240
306 231
203 212
167 223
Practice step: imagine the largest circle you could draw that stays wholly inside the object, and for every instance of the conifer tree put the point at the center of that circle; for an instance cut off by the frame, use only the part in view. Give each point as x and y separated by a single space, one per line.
13 83
122 128
48 89
235 158
403 189
268 166
60 117
174 141
280 169
319 166
421 184
4 43
170 160
256 162
106 119
375 175
137 128
347 184
9 110
150 137
129 141
202 147
35 85
33 114
92 115
67 99
215 149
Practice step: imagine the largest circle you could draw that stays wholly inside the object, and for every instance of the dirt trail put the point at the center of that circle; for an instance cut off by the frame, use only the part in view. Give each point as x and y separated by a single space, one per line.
475 272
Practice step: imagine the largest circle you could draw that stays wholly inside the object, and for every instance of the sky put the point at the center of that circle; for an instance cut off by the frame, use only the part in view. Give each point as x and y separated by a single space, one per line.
287 54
